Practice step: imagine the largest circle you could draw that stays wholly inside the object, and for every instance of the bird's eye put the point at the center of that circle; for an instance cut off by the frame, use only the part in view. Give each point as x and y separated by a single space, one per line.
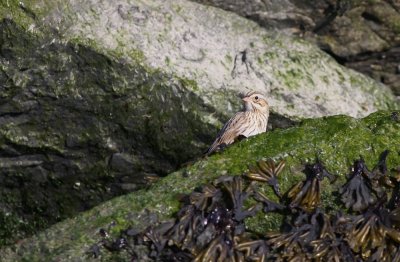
256 97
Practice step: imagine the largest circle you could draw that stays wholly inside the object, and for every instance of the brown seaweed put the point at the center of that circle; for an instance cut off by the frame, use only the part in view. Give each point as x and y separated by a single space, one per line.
357 193
211 224
307 194
267 171
238 195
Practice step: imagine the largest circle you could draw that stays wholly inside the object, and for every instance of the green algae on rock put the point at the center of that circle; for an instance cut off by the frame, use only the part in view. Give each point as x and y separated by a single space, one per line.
210 225
220 51
77 128
99 95
337 141
362 35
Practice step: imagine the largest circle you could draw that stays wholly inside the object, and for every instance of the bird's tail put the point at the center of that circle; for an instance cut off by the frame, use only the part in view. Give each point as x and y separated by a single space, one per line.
211 149
216 146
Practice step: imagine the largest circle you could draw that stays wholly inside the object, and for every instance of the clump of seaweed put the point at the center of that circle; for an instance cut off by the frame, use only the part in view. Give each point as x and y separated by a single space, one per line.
211 224
267 171
307 194
357 193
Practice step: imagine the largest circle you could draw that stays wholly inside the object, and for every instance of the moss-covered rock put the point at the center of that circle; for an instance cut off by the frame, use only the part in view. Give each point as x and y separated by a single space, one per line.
98 96
336 141
77 128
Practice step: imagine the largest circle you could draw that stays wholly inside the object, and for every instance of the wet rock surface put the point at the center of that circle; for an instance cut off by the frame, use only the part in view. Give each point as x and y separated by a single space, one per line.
336 141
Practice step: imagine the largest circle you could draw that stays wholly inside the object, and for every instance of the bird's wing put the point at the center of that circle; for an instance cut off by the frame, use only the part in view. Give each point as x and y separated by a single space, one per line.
229 132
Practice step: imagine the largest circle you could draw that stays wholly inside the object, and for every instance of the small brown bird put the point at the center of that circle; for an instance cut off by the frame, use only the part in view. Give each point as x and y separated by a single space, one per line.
252 120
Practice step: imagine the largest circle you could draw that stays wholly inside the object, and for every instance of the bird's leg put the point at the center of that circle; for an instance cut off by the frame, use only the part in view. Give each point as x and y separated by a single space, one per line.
240 138
222 147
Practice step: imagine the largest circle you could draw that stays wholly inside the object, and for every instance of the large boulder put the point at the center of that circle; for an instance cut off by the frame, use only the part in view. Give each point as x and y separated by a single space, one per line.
78 128
97 97
363 35
337 141
221 52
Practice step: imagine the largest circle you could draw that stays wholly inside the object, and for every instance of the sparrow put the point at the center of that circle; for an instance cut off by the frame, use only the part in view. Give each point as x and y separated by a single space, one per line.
252 120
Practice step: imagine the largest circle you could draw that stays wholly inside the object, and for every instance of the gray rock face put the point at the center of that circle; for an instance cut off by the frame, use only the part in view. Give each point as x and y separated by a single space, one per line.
100 96
222 53
363 35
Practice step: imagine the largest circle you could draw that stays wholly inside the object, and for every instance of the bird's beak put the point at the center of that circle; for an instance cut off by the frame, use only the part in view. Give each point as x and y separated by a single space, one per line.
246 99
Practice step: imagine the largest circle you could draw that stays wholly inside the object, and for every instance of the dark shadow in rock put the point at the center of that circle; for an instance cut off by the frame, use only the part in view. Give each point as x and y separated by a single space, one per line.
279 121
79 128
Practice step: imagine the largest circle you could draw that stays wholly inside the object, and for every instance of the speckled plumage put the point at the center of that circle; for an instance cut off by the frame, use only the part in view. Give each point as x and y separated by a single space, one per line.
252 120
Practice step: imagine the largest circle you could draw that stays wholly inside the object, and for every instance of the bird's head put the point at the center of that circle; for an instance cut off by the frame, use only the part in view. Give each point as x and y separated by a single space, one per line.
255 101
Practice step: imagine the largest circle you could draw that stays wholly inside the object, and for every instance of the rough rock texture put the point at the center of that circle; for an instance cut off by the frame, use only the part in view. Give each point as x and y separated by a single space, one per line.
77 128
363 35
98 96
221 52
383 66
337 141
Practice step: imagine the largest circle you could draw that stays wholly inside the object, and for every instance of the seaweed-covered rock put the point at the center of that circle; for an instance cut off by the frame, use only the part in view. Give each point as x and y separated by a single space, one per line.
337 141
97 97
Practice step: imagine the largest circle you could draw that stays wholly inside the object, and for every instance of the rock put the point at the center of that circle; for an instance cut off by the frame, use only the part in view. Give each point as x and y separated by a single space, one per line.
92 120
337 141
382 66
106 94
220 53
353 32
123 162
